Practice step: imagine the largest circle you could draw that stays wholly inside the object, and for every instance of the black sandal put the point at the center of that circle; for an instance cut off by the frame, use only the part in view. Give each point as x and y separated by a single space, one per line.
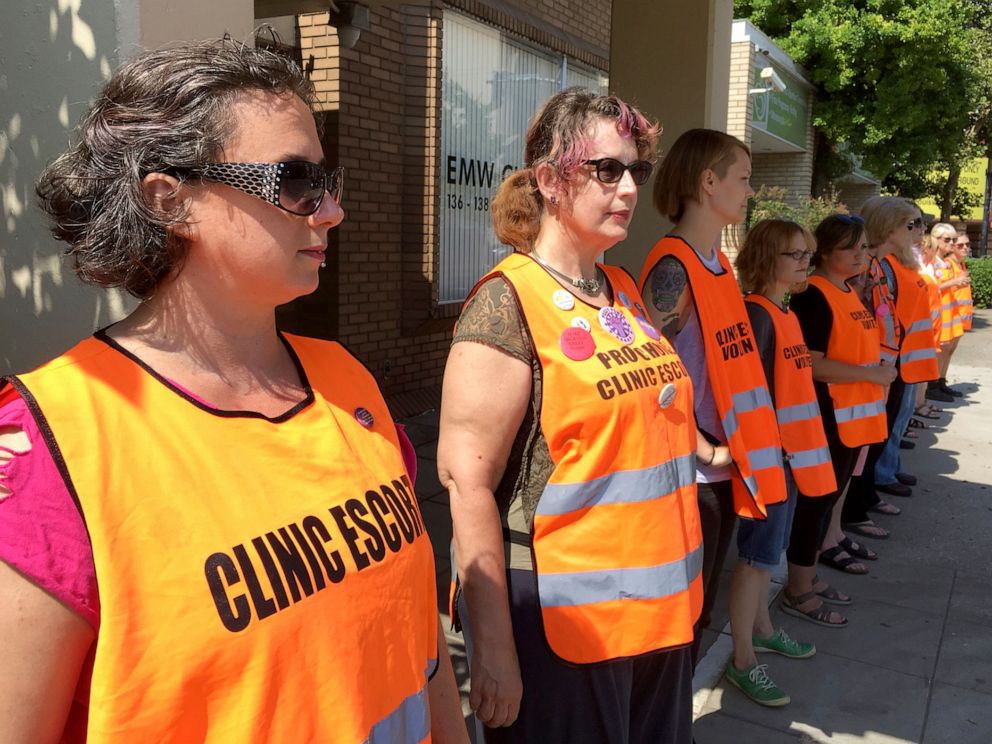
829 558
858 550
915 423
927 411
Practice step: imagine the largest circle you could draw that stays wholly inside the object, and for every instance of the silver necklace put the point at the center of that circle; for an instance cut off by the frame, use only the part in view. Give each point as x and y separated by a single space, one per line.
588 286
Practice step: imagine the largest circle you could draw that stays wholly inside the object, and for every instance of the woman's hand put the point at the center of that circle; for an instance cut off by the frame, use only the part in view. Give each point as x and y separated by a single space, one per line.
883 374
496 684
721 456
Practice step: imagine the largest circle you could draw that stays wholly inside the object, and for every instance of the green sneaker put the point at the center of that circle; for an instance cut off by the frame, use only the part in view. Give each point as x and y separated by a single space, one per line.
781 643
756 684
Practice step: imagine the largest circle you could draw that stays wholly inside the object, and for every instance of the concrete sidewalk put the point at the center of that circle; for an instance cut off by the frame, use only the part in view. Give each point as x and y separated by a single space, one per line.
915 663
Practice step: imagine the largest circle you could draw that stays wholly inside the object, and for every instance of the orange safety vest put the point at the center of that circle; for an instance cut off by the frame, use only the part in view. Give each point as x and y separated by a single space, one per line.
889 332
917 358
950 320
933 299
319 624
963 303
736 377
796 409
859 407
616 535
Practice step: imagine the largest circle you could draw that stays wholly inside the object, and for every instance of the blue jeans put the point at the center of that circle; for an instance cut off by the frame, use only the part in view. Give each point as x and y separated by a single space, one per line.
888 463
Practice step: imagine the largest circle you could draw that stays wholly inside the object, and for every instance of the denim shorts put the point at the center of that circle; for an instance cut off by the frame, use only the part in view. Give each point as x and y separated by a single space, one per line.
761 543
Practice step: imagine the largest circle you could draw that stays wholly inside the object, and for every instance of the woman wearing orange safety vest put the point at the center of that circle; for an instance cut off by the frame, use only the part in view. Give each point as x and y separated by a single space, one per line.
848 374
773 261
893 225
927 253
950 280
963 298
689 288
567 447
218 538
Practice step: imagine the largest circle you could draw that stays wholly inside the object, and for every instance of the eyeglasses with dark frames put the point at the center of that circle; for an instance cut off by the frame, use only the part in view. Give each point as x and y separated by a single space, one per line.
916 224
797 255
296 186
611 170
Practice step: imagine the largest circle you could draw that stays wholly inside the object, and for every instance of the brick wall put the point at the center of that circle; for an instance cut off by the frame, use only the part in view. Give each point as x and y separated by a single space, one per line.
853 195
739 104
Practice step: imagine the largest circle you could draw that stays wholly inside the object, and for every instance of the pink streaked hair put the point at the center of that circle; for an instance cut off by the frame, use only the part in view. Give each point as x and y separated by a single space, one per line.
559 133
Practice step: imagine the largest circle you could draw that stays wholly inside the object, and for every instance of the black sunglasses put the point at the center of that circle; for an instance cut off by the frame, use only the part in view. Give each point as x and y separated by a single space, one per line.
916 224
611 170
297 186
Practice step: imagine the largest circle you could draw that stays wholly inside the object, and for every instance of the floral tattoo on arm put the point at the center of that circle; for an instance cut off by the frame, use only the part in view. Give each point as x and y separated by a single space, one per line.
668 283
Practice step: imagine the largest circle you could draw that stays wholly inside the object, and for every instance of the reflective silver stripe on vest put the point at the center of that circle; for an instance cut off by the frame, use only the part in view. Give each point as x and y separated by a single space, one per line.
590 587
860 411
919 355
800 412
767 457
747 400
408 723
809 458
919 326
622 487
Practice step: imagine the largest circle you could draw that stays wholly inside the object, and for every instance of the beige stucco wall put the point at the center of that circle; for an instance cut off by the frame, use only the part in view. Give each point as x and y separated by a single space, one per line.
55 55
680 76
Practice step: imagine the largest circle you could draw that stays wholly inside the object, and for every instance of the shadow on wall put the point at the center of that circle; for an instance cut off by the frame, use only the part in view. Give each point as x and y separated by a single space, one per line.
55 57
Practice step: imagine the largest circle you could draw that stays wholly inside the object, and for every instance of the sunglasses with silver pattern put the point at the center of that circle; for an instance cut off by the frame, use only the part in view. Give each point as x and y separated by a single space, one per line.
296 186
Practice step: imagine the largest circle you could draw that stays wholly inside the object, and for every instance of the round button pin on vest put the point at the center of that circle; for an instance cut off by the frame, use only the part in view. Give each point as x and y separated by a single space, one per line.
364 417
648 328
577 344
667 395
616 324
563 300
882 310
580 322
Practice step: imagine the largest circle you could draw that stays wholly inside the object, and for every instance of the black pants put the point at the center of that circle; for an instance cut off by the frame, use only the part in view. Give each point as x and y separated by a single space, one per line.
643 700
812 518
862 495
717 520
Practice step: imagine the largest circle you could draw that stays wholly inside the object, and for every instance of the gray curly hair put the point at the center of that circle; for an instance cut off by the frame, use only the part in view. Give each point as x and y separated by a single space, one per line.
167 110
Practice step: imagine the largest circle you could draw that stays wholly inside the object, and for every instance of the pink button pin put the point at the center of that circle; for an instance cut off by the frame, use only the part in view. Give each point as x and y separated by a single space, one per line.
577 344
882 310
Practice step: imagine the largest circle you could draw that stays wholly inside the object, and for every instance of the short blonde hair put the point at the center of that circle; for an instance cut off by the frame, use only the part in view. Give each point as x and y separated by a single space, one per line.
681 171
885 214
758 258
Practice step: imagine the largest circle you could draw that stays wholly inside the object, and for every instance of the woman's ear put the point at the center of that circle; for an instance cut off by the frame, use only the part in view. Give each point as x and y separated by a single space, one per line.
548 184
707 181
164 194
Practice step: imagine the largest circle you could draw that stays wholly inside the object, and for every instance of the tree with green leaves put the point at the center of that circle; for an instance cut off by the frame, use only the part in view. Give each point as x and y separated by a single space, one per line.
896 82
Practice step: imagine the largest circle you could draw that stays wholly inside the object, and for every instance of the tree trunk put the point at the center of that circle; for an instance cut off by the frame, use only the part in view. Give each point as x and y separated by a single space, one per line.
948 192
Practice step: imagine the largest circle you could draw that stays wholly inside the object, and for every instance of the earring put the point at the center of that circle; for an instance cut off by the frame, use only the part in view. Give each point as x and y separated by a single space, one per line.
554 201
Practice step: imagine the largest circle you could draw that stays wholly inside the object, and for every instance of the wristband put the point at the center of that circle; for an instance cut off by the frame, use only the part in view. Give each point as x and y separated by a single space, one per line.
712 457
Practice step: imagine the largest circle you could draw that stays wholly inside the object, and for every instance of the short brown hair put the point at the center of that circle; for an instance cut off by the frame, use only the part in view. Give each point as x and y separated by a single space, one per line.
883 215
169 111
556 136
764 242
838 232
682 168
